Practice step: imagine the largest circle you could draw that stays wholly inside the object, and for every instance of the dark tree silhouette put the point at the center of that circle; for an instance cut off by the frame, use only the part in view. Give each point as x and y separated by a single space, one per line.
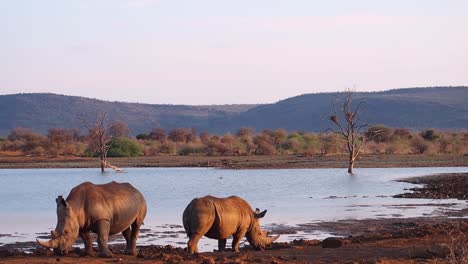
350 130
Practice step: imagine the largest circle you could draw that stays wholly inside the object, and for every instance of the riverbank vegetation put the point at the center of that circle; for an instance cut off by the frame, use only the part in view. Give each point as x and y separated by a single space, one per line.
246 142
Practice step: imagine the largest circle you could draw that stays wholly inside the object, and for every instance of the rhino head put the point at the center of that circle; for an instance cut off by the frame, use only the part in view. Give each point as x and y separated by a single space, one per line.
257 237
67 229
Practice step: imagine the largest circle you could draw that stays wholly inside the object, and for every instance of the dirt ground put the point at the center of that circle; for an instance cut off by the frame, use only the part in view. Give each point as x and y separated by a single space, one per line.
240 162
419 240
397 240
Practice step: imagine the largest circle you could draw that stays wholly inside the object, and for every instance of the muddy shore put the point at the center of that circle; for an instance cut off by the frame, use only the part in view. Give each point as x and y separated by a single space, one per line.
421 240
241 162
440 186
396 240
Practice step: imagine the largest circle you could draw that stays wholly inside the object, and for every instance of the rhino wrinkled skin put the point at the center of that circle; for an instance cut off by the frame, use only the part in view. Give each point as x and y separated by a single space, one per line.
104 209
219 218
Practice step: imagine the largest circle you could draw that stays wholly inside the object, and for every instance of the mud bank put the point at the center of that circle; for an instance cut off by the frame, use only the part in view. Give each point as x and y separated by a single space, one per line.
366 241
440 186
241 162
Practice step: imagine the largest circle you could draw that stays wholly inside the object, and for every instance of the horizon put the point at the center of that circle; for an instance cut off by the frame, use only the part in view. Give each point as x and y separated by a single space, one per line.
293 96
210 52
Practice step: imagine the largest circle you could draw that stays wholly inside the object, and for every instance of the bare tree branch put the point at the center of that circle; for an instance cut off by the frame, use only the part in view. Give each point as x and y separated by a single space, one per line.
351 130
98 135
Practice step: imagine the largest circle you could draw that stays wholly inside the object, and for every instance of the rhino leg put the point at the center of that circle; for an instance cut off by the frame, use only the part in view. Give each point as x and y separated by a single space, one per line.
88 243
131 236
221 244
192 244
127 234
236 238
103 228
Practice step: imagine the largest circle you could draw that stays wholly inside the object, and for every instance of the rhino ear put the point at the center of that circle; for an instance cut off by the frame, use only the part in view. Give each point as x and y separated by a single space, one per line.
259 215
60 201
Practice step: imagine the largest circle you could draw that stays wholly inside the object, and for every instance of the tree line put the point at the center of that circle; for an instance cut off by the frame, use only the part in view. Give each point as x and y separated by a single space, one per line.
246 141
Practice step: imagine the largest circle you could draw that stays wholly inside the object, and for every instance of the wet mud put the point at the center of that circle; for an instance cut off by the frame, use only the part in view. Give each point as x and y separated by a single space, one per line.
358 241
440 186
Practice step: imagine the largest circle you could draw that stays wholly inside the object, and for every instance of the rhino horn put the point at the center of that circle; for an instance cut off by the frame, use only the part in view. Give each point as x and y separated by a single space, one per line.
270 240
49 244
273 239
266 241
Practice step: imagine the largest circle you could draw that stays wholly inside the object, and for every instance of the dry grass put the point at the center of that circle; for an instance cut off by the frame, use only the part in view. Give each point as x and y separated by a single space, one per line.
457 243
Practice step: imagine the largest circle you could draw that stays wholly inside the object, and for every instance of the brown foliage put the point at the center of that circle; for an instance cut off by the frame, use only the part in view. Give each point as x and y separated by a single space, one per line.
245 131
185 135
379 133
119 129
158 134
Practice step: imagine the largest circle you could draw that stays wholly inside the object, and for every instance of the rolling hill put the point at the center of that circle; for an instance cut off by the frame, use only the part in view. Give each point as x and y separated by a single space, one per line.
415 108
43 111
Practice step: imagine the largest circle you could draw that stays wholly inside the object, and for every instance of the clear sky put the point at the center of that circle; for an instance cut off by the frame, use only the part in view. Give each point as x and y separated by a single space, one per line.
236 51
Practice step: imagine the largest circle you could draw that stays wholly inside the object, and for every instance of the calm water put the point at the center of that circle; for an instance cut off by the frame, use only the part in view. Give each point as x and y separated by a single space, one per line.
292 196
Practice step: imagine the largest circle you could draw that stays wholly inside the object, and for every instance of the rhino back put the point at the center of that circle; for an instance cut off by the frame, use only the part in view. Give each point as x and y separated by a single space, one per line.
217 218
119 203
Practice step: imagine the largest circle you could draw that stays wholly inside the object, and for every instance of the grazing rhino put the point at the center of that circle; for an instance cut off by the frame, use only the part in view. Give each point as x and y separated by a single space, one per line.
104 209
219 218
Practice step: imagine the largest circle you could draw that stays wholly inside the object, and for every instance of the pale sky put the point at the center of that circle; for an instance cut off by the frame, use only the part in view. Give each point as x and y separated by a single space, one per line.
226 52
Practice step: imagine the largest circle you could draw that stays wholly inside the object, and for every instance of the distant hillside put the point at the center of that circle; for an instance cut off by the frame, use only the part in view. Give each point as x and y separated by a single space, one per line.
415 108
43 111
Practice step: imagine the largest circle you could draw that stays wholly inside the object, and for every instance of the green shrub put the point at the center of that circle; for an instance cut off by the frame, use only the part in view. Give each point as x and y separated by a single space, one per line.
124 147
89 153
191 150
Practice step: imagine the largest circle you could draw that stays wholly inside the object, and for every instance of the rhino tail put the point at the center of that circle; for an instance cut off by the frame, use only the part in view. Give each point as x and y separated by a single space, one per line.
186 219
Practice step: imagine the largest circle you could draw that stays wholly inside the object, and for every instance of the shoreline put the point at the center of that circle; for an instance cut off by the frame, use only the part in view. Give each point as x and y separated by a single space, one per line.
397 240
240 162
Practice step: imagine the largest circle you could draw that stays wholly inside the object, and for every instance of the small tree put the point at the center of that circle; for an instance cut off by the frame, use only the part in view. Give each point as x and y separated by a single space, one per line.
379 133
158 134
99 137
177 135
59 137
350 131
245 131
143 136
119 129
430 135
204 137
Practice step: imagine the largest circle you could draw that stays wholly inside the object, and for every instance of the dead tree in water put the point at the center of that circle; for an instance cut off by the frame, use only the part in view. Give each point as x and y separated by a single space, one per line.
98 134
350 131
